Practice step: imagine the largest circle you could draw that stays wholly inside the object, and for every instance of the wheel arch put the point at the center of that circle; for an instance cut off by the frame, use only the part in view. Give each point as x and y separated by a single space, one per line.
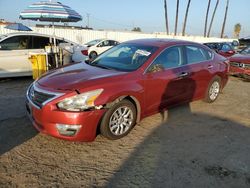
132 99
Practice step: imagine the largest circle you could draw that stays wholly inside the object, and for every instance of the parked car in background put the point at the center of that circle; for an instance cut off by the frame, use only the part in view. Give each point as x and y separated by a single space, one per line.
96 47
15 49
223 48
123 85
245 41
240 63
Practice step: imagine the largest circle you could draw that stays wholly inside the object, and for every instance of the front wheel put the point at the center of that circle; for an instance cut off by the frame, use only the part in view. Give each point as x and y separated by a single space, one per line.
119 120
213 90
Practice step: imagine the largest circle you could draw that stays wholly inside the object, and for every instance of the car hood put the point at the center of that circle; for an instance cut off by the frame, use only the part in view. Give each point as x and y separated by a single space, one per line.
77 76
240 58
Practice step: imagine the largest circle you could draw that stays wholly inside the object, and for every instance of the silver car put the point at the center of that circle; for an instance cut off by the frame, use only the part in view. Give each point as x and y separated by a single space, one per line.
15 49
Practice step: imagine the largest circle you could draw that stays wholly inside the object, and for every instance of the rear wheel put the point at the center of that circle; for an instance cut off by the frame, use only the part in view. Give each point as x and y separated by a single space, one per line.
92 55
119 120
213 90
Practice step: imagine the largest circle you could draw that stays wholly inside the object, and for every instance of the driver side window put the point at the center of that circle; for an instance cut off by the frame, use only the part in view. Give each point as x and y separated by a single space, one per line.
169 58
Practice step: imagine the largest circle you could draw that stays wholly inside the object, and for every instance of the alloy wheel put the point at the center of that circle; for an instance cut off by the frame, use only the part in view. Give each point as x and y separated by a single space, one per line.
121 120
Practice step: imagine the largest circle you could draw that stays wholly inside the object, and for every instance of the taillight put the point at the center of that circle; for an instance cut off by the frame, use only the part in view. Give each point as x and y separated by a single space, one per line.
84 52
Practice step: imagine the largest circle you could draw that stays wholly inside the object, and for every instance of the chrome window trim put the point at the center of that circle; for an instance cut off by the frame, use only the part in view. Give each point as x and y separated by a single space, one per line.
183 45
42 91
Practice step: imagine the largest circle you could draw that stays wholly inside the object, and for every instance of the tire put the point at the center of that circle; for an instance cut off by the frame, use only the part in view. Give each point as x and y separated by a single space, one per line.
213 90
114 124
92 55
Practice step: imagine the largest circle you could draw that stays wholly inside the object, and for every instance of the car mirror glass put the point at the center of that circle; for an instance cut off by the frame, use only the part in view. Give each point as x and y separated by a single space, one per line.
155 68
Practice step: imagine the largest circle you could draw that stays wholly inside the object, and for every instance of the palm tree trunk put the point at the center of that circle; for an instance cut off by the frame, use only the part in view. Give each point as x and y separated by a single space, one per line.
224 22
212 20
176 17
208 7
166 16
185 20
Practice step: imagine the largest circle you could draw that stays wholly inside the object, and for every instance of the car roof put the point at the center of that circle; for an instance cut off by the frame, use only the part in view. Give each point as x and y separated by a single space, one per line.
160 42
33 34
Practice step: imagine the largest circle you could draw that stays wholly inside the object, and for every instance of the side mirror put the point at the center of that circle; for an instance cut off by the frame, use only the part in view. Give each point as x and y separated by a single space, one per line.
231 52
155 68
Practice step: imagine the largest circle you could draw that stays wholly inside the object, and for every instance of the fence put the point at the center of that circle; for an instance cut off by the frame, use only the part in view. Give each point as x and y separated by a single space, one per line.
82 36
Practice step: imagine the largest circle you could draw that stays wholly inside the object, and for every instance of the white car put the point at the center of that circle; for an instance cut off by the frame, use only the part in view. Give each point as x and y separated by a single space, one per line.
16 47
96 47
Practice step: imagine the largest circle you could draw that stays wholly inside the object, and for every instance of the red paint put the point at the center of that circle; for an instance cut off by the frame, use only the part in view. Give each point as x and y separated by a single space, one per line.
152 91
240 65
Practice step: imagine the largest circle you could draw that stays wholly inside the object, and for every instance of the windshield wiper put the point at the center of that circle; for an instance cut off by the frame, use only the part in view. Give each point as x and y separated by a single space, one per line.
101 66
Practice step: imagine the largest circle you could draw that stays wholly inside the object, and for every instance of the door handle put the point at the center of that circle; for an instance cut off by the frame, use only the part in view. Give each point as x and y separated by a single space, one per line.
210 66
183 74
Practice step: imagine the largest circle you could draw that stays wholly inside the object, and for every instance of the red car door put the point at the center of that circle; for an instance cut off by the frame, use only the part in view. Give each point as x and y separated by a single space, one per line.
178 75
201 66
166 81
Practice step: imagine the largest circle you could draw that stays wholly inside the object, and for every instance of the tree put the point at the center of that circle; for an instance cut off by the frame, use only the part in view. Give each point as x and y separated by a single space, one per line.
185 19
166 16
212 19
208 7
136 29
237 29
224 22
176 17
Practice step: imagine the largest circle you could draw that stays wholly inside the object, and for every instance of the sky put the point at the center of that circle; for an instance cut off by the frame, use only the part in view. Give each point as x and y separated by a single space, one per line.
146 14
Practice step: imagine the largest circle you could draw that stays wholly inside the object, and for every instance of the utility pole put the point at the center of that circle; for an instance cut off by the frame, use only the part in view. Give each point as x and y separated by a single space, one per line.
176 17
88 19
208 8
224 22
185 19
212 20
166 16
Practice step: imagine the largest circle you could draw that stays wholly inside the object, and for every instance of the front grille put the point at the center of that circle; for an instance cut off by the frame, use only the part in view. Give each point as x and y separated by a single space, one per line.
37 97
240 65
234 64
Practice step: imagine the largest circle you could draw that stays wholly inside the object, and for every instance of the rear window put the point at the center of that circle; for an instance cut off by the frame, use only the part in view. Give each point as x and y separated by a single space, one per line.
196 54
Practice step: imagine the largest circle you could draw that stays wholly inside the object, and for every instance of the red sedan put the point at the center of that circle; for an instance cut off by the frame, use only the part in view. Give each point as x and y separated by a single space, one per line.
123 85
240 63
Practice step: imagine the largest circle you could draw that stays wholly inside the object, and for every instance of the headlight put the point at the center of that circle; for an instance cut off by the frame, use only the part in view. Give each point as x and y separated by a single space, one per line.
80 102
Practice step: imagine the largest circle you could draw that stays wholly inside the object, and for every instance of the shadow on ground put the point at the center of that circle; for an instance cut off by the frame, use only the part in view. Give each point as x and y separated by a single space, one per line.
15 128
189 150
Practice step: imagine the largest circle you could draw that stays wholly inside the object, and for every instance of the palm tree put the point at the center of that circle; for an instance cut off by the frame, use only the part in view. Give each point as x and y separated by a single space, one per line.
208 7
176 17
224 22
166 16
185 19
237 29
212 19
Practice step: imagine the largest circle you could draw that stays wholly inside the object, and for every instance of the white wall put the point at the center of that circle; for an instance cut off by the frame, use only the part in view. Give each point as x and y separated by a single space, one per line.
83 36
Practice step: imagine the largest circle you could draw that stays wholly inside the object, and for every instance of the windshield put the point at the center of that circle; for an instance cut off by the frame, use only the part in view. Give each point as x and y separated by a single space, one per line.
93 42
125 57
245 51
2 36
